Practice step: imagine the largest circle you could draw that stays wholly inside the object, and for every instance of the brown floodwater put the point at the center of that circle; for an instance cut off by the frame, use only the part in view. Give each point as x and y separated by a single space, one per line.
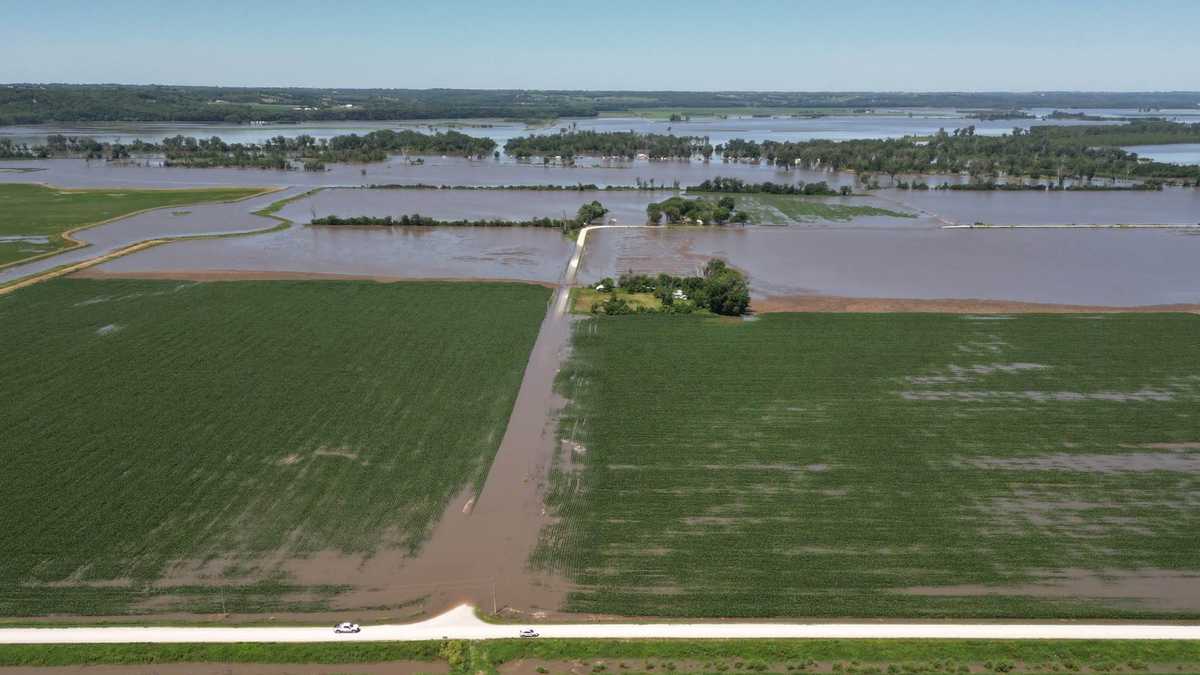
1109 267
398 170
527 254
1172 206
624 205
171 221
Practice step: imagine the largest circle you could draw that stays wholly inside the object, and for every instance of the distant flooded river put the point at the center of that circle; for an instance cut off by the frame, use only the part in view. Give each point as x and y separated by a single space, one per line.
885 124
1179 153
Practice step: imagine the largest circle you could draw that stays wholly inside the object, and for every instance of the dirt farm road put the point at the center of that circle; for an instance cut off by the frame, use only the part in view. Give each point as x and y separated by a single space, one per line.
461 623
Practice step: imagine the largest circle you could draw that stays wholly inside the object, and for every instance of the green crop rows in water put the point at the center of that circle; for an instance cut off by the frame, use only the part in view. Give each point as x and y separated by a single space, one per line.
882 466
151 423
769 209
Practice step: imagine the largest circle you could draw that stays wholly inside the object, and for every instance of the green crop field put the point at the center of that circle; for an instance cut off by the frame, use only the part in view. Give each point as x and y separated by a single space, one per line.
42 213
550 655
881 466
151 424
768 209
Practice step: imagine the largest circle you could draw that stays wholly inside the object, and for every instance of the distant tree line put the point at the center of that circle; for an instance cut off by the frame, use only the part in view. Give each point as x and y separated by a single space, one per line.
719 289
738 186
622 144
587 214
994 115
274 153
1054 152
1083 117
39 103
578 187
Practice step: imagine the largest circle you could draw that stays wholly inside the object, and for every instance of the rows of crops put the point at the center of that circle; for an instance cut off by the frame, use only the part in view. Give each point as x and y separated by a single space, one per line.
147 423
881 465
770 209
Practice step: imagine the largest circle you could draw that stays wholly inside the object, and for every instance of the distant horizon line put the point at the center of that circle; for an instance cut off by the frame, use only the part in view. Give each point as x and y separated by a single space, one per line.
632 91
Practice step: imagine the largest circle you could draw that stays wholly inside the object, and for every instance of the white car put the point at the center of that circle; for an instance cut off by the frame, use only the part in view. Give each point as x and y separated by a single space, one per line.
346 627
529 633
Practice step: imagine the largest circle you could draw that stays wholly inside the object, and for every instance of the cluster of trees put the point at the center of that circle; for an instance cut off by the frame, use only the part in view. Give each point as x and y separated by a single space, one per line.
738 186
623 144
1046 151
681 211
38 103
993 115
1084 117
587 214
719 289
417 220
375 146
60 145
274 153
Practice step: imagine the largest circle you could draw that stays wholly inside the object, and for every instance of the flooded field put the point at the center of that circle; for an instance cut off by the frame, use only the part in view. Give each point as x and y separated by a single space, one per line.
526 254
886 124
398 170
1092 267
1172 206
625 206
171 221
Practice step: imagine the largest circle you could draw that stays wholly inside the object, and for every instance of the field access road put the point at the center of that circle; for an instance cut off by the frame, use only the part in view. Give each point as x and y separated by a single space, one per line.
461 623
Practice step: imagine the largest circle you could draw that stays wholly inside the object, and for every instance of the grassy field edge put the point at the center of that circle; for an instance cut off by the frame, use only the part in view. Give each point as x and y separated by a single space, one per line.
482 656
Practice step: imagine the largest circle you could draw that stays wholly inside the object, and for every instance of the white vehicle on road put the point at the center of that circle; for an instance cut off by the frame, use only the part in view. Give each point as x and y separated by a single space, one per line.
347 627
528 633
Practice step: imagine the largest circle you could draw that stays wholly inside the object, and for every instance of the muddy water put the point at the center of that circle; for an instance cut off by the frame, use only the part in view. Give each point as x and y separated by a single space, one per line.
625 206
527 254
172 221
1083 267
434 171
480 549
1171 206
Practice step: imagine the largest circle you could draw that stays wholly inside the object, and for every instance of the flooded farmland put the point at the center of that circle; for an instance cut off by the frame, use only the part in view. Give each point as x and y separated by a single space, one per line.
171 221
399 170
1171 206
1083 267
892 123
626 206
526 254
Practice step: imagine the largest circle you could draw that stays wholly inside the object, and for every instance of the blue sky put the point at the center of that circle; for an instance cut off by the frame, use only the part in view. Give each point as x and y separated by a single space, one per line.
610 44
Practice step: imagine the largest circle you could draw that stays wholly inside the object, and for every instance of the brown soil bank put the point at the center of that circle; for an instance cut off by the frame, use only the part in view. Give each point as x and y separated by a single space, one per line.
833 303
